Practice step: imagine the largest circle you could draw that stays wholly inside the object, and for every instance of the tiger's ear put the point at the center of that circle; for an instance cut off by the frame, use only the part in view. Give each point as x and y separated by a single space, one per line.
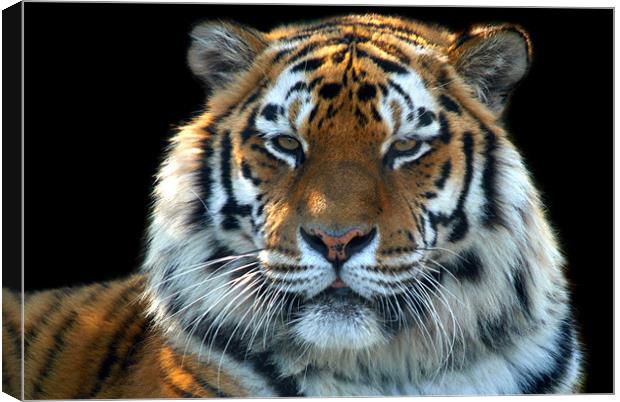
492 59
220 50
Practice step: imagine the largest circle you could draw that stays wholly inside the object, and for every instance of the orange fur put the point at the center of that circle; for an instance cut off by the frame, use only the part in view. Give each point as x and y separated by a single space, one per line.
98 343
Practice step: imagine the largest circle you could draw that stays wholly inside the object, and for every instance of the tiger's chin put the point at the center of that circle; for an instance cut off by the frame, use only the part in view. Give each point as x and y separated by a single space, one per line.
339 320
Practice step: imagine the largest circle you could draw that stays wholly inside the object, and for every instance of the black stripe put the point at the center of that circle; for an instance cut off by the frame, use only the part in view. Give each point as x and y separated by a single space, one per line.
264 152
444 129
284 386
460 229
137 343
392 50
450 104
458 218
460 226
13 328
402 93
497 332
422 226
304 51
383 89
330 90
270 112
491 210
231 208
313 113
299 86
237 349
53 353
120 303
308 65
254 95
246 170
467 266
229 222
468 151
445 173
225 164
361 117
561 355
386 65
111 357
35 330
519 282
315 82
13 332
198 217
199 380
375 113
250 129
425 117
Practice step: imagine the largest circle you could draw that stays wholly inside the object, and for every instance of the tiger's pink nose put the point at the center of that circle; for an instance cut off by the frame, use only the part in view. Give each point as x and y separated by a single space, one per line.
340 248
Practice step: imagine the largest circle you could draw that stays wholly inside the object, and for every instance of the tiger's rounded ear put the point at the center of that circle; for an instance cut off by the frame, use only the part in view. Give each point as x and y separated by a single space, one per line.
221 49
492 59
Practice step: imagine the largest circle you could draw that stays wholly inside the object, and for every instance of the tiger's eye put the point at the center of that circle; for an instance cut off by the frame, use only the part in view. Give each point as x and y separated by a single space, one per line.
288 143
404 145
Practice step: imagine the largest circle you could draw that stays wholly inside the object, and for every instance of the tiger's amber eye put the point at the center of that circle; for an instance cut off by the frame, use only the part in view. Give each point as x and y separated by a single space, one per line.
288 143
404 145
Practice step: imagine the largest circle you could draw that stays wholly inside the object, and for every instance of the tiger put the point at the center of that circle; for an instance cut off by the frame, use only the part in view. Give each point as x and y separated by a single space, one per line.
346 217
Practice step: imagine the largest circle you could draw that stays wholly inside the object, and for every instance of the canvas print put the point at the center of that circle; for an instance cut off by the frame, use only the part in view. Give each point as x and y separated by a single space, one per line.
345 213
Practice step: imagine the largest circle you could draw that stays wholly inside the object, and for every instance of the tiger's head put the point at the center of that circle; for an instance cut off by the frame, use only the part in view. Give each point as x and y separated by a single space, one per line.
345 177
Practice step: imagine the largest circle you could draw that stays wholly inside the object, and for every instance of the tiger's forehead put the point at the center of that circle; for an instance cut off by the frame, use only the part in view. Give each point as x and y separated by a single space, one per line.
361 84
363 28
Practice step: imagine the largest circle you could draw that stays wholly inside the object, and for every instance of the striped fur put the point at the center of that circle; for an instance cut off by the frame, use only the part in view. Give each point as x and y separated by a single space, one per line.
95 342
381 127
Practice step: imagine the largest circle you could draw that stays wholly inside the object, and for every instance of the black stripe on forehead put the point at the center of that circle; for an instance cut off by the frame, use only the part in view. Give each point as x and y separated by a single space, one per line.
309 65
385 64
402 93
306 49
298 87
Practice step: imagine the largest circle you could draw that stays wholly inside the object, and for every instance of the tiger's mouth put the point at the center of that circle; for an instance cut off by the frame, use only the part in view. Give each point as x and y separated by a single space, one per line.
338 318
341 294
340 299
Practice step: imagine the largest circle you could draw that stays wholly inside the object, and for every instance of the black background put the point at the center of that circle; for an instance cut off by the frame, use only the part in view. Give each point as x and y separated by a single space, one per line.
106 83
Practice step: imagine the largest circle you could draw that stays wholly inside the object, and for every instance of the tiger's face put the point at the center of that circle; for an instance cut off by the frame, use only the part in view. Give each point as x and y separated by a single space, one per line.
352 160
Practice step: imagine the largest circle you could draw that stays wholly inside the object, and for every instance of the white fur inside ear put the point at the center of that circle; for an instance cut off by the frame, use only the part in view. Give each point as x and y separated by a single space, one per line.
492 62
339 325
219 51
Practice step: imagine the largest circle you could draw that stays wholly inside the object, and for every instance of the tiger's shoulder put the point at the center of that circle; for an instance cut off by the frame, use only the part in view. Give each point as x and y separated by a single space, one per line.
96 341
